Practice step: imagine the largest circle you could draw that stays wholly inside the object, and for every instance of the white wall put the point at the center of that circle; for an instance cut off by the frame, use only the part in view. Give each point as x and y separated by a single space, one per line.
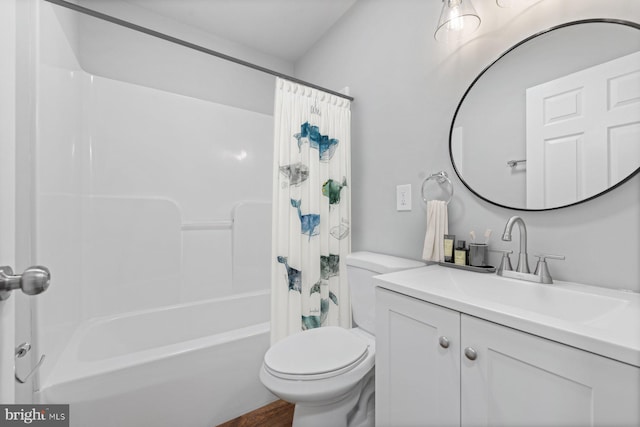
137 13
109 50
406 88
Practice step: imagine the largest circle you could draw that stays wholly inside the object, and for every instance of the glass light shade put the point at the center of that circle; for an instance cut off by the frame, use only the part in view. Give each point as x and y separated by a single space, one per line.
457 20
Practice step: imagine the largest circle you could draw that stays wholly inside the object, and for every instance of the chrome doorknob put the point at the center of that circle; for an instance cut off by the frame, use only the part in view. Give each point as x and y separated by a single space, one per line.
470 353
33 281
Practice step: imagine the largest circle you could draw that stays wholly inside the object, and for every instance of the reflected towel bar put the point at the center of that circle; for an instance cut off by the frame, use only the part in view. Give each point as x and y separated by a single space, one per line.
514 163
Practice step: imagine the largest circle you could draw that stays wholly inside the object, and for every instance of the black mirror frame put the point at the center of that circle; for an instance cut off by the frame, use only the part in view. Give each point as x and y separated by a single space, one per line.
567 24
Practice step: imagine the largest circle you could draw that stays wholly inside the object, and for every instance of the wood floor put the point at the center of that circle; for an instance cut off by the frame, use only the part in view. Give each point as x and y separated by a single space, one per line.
276 414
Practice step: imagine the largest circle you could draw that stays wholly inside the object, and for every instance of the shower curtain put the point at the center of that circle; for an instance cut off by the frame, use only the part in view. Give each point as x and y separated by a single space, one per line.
311 210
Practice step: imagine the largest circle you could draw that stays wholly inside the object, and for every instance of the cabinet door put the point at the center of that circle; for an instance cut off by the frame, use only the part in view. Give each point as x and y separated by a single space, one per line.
417 379
519 379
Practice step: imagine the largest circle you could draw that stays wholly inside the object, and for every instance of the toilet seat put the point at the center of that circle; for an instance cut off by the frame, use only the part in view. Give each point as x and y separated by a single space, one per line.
316 354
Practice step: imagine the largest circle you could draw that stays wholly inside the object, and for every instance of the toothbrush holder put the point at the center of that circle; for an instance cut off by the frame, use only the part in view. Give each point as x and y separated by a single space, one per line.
478 254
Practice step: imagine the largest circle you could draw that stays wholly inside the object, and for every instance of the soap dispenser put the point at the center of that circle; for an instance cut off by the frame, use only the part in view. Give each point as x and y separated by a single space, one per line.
461 254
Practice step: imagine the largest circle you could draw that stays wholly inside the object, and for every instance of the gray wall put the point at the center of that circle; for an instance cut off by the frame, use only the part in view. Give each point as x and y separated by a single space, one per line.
407 87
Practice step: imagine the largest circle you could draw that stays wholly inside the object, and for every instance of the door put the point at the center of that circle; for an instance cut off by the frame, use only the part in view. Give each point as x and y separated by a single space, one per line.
7 190
417 362
583 132
517 379
17 121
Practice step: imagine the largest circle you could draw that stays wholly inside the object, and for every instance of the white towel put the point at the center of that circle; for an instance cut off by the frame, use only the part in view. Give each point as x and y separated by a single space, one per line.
437 227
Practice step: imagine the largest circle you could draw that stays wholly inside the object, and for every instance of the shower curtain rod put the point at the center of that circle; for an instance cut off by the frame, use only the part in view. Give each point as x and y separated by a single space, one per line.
148 31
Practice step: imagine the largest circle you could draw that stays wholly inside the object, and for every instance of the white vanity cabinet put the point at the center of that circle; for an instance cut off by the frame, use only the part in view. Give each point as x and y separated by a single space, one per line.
514 379
518 379
417 375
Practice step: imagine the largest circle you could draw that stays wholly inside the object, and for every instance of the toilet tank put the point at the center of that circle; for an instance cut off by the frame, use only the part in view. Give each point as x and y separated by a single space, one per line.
361 267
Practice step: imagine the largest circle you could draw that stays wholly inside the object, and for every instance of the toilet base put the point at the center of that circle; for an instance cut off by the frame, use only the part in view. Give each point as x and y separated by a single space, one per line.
355 409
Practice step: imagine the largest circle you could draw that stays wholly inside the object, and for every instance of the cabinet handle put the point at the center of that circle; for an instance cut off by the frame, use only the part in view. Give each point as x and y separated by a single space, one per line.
470 353
444 342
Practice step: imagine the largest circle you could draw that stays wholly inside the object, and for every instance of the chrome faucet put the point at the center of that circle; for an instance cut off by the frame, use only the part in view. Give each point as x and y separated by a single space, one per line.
522 272
523 261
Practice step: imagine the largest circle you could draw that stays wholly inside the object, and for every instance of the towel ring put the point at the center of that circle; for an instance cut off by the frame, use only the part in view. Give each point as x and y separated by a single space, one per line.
441 177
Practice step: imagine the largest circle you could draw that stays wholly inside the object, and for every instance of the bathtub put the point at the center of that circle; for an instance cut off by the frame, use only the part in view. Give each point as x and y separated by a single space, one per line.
189 365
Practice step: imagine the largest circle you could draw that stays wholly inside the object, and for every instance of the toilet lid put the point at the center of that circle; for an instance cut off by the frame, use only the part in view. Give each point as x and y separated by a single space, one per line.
316 352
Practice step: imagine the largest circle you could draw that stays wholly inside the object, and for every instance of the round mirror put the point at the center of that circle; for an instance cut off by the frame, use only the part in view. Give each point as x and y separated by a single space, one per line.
555 120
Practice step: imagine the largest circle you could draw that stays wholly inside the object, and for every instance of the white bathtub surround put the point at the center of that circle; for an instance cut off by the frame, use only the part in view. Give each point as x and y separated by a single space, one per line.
311 210
148 207
189 365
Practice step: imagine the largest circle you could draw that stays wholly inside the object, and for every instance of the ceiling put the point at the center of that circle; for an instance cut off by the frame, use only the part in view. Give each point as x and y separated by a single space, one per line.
282 28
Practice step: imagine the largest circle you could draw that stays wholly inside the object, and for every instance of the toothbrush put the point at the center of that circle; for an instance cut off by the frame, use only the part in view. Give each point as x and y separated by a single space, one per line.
487 235
473 236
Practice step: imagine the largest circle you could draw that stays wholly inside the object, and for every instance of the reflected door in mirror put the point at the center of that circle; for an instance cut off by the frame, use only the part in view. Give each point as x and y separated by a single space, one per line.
583 133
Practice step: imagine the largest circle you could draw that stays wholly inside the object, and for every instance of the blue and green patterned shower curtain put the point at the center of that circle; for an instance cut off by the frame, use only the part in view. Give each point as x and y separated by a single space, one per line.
311 210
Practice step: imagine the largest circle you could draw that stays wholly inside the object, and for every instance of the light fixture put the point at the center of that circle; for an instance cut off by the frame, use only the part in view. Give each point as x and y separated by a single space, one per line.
457 20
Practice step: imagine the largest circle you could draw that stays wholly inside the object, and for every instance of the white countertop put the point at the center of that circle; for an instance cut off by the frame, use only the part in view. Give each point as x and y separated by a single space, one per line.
596 319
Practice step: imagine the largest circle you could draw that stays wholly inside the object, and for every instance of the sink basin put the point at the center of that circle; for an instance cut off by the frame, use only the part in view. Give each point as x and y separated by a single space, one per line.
558 300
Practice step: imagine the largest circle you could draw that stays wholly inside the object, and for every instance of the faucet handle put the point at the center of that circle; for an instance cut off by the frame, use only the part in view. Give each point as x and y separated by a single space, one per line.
542 270
543 257
505 262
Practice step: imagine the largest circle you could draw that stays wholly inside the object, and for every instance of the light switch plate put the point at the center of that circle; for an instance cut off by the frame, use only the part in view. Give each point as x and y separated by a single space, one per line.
403 197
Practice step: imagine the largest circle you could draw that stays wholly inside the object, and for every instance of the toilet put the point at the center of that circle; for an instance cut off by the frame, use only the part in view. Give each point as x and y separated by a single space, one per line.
328 372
